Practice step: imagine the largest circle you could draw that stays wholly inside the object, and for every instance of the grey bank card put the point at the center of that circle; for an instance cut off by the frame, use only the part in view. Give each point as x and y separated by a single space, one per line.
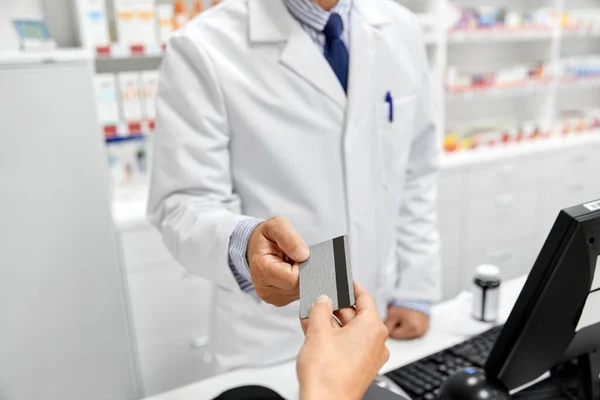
327 271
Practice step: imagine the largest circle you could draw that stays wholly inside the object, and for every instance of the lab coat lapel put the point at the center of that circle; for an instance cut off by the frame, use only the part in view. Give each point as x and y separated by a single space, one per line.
359 143
366 38
302 56
271 22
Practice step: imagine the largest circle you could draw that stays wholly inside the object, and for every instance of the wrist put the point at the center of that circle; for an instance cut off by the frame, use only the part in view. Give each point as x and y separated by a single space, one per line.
255 231
319 393
323 387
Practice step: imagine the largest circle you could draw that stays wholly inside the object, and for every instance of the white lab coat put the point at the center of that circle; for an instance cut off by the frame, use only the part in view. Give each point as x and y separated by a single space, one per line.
252 121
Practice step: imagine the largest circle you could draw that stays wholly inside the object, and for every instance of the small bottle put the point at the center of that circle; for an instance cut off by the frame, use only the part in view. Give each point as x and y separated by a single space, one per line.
486 293
181 15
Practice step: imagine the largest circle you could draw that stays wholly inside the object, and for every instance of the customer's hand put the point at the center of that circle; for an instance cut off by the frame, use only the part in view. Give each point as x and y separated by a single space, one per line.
340 362
274 252
404 323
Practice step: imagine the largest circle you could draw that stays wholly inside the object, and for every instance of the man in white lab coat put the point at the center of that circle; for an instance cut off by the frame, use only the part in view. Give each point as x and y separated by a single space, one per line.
320 112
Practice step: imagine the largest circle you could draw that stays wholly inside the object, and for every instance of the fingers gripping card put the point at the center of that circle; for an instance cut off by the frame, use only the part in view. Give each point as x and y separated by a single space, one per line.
327 272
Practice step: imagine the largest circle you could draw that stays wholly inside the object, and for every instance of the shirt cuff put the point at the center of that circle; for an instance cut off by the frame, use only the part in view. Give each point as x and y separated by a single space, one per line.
423 306
238 245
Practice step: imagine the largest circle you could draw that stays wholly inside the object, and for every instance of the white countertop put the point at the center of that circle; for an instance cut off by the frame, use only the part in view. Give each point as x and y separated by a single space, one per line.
451 324
44 57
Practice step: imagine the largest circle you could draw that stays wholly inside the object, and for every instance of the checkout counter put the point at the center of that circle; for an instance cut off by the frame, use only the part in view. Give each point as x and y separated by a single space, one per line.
451 324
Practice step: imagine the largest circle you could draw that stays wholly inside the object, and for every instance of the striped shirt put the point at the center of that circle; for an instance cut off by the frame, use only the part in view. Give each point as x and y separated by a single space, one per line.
313 19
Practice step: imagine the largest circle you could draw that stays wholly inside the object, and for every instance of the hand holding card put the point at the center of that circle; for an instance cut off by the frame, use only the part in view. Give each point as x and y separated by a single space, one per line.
327 272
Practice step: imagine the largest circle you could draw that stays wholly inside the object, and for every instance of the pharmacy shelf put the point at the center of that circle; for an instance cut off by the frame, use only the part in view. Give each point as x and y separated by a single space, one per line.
129 138
123 131
521 90
498 92
580 83
466 158
579 34
498 35
121 58
117 51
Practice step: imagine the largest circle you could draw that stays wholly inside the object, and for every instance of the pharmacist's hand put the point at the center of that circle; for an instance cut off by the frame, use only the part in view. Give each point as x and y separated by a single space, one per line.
404 323
339 362
274 252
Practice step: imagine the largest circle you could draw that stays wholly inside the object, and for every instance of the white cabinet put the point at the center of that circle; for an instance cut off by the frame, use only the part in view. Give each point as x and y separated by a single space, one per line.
502 209
170 309
450 223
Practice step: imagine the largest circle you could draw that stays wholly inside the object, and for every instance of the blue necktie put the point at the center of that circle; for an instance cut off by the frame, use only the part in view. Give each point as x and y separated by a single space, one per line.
336 52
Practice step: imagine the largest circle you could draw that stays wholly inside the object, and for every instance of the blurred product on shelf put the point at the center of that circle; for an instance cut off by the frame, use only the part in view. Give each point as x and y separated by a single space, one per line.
128 163
197 8
92 23
472 18
107 100
500 18
580 67
126 104
498 134
165 15
135 21
181 14
586 20
149 89
130 94
568 69
457 81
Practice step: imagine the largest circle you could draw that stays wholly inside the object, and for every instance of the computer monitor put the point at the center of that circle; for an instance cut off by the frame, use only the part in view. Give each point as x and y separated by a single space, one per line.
556 318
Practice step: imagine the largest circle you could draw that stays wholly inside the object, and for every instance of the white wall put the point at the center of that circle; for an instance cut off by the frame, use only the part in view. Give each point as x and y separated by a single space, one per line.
13 9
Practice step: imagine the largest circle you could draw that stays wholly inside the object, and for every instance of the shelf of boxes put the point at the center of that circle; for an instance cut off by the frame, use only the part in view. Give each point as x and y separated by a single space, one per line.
524 89
121 51
579 33
489 135
498 35
516 149
580 83
123 131
495 92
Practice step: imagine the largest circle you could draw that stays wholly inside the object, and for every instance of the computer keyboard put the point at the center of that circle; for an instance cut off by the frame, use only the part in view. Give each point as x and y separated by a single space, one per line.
422 379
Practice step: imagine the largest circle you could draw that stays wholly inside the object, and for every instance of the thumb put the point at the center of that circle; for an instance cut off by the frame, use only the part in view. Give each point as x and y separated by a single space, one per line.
287 238
319 319
391 323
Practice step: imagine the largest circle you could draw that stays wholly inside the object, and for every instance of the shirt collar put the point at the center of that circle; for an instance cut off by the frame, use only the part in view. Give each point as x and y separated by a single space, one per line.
309 13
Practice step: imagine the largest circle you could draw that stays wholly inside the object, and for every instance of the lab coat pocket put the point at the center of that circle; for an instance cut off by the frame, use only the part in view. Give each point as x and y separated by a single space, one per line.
395 128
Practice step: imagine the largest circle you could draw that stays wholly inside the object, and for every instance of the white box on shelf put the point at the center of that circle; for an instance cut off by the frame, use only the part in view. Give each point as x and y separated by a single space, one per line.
92 23
149 89
145 22
107 99
130 94
125 12
164 13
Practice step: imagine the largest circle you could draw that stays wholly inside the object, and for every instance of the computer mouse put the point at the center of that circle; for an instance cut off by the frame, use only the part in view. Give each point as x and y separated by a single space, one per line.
472 384
249 393
386 383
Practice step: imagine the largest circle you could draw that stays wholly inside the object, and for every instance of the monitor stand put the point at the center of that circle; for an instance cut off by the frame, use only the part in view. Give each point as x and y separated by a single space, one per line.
582 373
589 374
